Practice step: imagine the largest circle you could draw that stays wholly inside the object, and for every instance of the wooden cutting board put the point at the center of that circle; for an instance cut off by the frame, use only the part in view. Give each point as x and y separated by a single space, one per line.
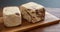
49 20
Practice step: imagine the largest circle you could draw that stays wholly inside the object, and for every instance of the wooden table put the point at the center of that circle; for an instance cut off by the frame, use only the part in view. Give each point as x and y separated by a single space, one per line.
52 28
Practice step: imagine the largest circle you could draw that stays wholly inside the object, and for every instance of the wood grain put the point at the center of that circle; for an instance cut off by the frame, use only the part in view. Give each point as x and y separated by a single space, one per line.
1 11
49 20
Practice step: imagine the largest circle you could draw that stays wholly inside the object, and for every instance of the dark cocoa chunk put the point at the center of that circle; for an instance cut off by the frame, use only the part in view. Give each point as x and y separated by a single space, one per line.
33 12
33 17
36 11
28 9
17 14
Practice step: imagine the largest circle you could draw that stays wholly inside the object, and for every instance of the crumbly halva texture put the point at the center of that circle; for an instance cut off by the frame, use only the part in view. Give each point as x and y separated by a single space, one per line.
33 12
11 16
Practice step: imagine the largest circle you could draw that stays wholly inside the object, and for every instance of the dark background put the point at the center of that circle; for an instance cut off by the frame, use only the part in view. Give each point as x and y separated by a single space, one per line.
46 3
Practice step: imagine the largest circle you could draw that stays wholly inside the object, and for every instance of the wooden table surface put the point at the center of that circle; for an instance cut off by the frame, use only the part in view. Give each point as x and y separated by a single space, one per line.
52 28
